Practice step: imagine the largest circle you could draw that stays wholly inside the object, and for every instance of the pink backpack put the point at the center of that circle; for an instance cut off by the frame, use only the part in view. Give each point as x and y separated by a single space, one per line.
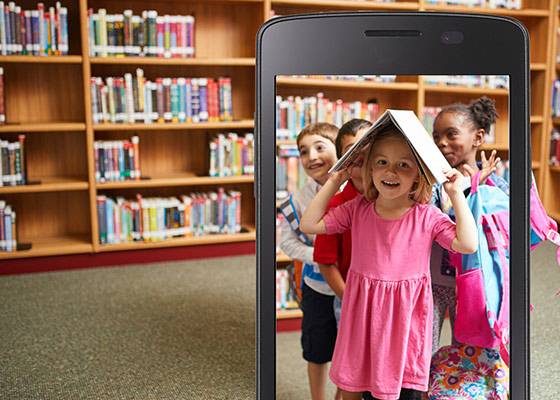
483 277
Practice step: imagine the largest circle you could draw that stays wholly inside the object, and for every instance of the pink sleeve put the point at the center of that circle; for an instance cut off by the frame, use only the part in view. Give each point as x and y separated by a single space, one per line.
339 219
443 228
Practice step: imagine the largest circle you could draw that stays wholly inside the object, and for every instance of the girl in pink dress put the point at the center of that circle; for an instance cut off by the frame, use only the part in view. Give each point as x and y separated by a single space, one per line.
385 333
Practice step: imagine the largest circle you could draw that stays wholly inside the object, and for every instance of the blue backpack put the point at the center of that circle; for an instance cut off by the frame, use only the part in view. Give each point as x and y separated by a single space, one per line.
483 277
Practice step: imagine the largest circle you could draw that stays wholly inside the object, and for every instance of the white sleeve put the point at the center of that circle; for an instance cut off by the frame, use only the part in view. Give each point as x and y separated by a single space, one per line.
292 246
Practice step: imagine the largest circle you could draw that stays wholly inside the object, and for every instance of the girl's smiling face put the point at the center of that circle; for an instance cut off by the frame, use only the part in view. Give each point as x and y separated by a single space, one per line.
457 138
393 168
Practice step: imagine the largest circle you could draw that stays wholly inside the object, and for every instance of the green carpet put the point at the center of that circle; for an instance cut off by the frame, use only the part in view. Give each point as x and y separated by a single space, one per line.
182 330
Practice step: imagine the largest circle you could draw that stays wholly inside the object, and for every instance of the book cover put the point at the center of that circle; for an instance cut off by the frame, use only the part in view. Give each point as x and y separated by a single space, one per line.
429 158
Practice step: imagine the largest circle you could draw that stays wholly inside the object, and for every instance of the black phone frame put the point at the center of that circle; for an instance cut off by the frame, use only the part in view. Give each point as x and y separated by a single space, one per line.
324 44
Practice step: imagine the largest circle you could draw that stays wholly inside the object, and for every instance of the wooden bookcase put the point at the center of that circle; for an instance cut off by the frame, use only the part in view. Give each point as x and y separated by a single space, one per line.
49 99
541 19
551 194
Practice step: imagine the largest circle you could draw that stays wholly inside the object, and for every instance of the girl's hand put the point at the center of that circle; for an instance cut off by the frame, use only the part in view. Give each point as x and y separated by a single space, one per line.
488 166
339 177
454 184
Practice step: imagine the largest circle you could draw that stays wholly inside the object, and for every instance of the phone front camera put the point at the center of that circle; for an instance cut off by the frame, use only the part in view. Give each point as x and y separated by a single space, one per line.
452 37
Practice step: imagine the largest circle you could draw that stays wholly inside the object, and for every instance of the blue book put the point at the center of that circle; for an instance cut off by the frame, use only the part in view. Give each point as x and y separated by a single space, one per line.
109 206
102 218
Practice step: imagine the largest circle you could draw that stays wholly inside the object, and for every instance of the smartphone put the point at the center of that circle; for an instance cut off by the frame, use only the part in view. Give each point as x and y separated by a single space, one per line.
364 63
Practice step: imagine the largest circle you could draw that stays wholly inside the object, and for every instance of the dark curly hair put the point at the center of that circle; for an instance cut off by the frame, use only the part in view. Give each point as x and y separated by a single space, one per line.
480 112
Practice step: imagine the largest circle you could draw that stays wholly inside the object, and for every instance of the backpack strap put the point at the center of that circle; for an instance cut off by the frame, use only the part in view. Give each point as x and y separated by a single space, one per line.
475 180
289 211
500 327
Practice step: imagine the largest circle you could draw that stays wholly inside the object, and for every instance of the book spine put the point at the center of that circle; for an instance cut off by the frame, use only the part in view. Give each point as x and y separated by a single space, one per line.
167 36
2 98
53 33
3 44
2 227
64 43
190 36
9 28
127 30
167 99
102 32
28 32
129 93
203 99
102 218
188 100
7 227
195 100
174 94
181 82
160 36
118 23
136 147
160 100
23 158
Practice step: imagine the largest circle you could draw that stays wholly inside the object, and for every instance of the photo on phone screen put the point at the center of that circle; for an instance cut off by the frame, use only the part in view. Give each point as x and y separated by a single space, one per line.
318 119
393 273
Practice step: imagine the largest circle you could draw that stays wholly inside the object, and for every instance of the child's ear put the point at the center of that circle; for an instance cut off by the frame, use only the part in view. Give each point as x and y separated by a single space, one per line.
478 138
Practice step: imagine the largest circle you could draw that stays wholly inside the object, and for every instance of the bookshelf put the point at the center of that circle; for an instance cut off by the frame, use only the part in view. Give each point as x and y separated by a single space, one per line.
551 194
542 19
58 213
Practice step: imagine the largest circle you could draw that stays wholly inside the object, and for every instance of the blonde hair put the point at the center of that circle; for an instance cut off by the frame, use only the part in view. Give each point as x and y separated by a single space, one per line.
421 192
324 129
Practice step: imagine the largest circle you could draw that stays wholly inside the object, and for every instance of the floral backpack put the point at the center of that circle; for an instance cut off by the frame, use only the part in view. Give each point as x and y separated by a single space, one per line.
467 372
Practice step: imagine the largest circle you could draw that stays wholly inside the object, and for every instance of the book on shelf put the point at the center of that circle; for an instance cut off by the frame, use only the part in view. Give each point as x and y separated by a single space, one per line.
134 98
13 169
38 32
290 175
2 98
430 159
144 35
285 296
554 157
117 160
8 232
152 219
231 155
293 113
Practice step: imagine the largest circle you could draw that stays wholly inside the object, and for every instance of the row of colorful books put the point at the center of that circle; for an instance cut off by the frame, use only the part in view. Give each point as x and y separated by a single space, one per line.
148 34
357 78
556 98
8 236
293 113
470 81
554 158
231 155
117 160
136 99
507 4
153 219
290 175
38 32
285 294
13 162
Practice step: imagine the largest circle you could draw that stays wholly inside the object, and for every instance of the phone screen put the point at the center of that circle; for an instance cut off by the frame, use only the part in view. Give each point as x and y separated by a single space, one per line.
318 118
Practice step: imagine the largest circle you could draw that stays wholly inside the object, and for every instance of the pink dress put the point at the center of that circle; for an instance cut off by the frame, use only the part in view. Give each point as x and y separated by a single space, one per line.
385 334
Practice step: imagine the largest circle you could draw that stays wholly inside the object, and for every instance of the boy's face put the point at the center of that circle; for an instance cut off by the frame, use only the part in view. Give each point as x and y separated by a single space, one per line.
317 155
347 142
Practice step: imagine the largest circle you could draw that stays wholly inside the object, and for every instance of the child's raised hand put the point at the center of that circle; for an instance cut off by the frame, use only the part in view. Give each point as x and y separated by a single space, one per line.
341 176
454 184
488 166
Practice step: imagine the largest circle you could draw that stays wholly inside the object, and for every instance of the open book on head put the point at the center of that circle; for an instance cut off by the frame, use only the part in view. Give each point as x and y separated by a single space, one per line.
429 158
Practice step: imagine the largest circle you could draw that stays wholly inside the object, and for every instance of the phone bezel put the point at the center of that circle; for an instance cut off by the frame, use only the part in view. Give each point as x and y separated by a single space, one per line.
334 43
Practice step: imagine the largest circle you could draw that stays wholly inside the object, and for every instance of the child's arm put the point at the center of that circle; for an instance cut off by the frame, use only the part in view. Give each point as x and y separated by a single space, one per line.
466 239
332 275
312 220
